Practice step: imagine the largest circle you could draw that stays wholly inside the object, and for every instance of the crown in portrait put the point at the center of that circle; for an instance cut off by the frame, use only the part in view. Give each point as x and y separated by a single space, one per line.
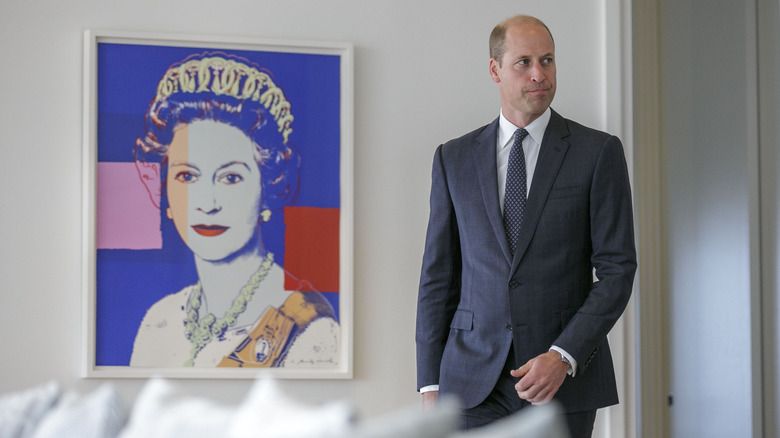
223 75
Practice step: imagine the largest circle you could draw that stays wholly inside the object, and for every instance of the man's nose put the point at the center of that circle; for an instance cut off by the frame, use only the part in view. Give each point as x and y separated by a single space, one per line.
537 72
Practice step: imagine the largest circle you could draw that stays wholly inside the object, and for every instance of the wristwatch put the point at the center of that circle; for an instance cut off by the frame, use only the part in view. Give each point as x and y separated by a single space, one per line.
565 360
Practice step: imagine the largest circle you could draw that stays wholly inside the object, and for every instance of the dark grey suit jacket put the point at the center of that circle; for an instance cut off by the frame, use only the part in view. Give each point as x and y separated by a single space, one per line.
475 300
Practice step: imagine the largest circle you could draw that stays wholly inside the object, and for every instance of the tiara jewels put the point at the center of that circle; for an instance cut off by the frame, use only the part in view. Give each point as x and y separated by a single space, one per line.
223 76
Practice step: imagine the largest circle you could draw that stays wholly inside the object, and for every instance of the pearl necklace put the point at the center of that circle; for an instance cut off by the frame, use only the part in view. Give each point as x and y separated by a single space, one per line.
200 333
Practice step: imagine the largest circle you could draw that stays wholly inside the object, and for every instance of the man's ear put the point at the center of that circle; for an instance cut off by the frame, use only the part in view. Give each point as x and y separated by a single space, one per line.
149 173
494 70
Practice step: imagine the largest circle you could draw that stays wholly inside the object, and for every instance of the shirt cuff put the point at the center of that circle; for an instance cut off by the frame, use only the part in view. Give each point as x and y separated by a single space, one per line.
573 371
429 388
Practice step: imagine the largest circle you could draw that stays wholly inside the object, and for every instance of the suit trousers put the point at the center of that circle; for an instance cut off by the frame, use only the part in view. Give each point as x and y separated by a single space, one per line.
504 401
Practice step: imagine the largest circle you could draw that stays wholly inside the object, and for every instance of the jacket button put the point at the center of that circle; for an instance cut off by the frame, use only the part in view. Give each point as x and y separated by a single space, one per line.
513 284
508 326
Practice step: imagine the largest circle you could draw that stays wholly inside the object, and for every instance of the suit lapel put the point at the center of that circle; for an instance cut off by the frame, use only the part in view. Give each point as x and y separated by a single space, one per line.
554 147
485 160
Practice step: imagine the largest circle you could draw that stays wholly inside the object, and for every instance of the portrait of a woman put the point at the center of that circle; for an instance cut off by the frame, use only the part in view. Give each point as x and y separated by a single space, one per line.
218 131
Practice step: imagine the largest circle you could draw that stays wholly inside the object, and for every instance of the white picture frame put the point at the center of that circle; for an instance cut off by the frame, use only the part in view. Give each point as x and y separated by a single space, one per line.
125 270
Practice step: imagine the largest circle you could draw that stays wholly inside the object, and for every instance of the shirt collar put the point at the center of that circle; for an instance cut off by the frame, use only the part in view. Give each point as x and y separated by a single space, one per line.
506 130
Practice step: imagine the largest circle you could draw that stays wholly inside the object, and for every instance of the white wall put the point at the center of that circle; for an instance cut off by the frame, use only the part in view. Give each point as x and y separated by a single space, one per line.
421 78
769 135
709 185
710 144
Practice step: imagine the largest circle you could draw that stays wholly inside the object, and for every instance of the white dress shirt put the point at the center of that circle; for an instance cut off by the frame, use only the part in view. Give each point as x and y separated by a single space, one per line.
531 146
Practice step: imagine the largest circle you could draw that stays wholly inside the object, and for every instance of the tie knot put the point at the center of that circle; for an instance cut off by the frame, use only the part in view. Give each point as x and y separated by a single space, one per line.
520 135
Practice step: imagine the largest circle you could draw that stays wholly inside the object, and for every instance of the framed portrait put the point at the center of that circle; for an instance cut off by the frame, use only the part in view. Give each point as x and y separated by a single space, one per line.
217 232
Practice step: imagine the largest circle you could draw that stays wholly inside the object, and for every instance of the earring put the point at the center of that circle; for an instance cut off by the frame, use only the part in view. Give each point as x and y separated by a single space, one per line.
168 213
265 215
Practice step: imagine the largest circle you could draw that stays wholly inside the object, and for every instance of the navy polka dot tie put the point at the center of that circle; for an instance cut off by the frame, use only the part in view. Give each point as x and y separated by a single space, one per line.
515 195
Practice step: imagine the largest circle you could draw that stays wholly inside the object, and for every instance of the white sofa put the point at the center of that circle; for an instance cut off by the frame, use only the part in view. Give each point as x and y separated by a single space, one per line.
161 410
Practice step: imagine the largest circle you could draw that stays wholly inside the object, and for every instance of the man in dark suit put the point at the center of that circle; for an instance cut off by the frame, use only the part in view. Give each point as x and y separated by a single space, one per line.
522 212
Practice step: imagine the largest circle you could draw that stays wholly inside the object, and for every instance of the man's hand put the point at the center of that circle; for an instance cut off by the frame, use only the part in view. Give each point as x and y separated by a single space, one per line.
541 377
429 399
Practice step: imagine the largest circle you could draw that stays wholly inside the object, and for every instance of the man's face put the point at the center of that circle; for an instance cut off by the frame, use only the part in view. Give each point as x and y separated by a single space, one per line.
526 74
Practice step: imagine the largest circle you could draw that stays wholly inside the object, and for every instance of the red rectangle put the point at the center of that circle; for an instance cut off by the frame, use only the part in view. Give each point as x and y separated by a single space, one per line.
311 254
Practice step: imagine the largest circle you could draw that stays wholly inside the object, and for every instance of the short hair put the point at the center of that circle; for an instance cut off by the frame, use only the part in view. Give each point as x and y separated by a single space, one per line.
497 41
232 90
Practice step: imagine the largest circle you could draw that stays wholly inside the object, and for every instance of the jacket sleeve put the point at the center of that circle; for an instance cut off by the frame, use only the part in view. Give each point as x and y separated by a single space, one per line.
613 256
439 290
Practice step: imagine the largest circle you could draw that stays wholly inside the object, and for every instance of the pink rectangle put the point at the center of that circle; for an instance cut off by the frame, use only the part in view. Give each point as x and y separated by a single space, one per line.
127 217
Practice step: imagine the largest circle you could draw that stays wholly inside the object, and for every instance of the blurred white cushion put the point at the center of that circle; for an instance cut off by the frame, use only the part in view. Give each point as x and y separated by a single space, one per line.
269 413
100 414
22 411
160 412
411 422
